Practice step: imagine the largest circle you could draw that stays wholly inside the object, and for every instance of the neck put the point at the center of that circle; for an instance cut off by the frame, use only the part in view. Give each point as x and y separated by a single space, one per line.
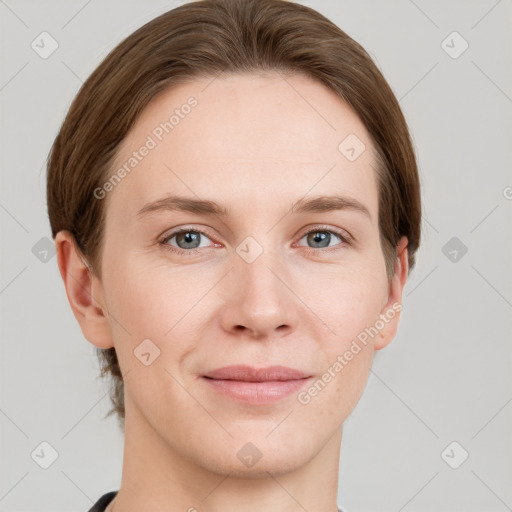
157 477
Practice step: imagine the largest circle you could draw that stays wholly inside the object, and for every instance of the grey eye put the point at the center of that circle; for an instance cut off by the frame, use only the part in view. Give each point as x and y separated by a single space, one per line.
319 239
187 239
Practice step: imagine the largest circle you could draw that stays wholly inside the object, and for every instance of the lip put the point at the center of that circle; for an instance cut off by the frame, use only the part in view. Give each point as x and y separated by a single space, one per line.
247 373
256 385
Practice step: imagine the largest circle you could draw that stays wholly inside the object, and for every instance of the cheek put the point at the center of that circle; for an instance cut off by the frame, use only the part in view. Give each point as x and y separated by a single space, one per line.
152 298
349 305
158 304
346 300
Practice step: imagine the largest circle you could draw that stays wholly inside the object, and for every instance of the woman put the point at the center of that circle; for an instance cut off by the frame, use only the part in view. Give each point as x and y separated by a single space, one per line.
235 203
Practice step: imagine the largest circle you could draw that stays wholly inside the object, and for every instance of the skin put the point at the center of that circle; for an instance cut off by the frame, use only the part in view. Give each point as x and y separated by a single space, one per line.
256 146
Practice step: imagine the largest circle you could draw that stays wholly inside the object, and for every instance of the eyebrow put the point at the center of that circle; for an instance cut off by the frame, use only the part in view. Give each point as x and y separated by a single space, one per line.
207 207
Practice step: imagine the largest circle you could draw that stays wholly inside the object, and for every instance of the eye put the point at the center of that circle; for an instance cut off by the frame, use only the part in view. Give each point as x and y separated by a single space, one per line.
185 240
188 241
321 238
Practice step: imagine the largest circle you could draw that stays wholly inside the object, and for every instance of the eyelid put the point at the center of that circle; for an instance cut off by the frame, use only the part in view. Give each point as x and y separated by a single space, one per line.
173 232
342 233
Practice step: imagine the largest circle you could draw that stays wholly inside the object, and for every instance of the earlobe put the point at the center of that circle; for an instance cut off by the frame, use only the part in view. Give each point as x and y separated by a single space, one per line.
83 290
390 313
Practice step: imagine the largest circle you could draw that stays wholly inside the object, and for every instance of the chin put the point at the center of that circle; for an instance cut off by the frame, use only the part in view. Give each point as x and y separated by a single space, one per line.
269 463
255 456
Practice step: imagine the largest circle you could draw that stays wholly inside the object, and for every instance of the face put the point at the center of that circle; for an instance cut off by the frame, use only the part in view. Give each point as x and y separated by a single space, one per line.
275 276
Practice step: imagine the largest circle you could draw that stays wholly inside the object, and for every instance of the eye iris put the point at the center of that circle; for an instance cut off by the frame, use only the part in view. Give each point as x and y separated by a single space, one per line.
320 237
190 238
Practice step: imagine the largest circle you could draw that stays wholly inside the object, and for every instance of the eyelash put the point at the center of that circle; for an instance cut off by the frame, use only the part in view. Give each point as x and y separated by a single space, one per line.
346 240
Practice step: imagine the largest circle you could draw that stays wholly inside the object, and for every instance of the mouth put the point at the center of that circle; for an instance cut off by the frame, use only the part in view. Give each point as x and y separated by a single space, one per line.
256 386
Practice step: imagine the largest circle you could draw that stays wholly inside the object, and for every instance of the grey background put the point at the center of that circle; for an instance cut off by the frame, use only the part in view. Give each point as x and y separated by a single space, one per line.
447 375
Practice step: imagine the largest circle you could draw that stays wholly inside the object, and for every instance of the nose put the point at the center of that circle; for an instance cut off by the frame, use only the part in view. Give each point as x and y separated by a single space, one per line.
259 298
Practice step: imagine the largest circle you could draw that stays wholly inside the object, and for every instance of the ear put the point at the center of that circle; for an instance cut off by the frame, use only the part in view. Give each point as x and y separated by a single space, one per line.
390 313
84 291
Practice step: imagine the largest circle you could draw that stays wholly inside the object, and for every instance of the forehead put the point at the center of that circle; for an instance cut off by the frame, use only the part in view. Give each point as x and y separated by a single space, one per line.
247 138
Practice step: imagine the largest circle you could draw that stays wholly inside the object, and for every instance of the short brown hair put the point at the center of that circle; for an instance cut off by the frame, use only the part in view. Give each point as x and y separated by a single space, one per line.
207 38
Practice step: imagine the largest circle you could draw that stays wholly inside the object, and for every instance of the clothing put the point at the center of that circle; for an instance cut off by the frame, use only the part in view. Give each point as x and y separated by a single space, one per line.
103 502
